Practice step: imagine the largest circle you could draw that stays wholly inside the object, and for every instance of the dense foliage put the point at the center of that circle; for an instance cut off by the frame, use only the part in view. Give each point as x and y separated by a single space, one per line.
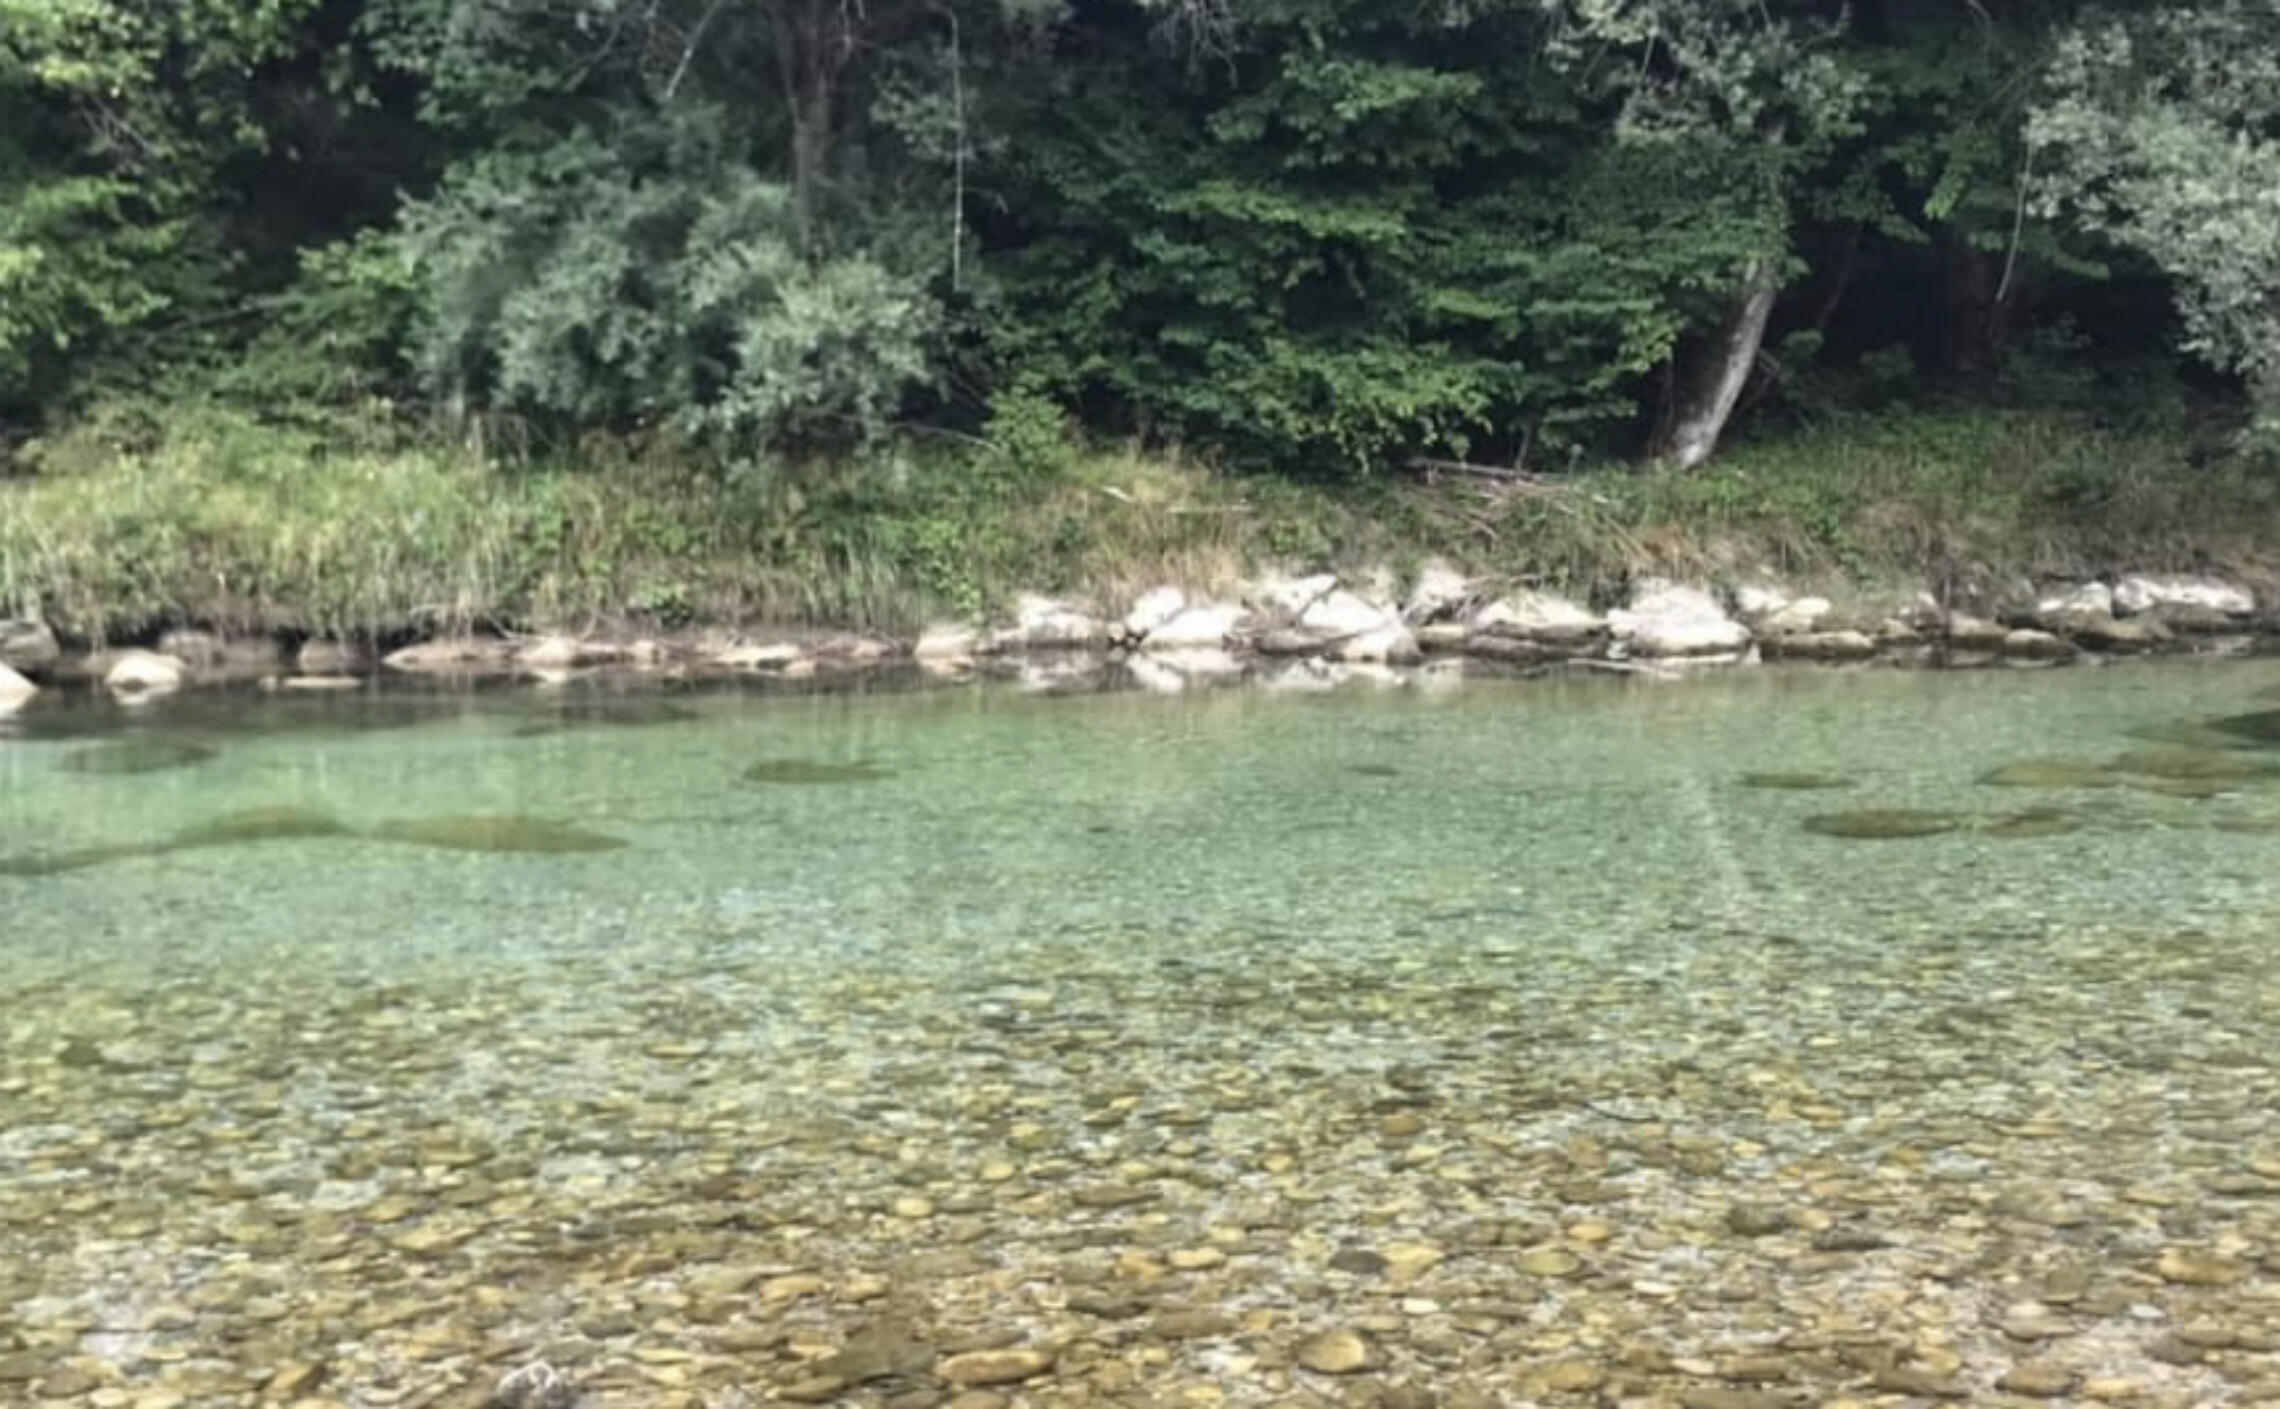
1322 236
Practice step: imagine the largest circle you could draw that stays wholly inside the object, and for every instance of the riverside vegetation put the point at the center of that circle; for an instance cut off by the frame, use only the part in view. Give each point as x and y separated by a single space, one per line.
391 317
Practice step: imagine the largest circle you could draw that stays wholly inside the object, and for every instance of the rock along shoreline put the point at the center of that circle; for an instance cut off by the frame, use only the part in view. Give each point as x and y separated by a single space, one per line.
1289 631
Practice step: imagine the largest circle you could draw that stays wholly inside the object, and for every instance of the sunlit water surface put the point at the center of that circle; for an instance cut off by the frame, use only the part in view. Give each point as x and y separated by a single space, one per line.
1497 1046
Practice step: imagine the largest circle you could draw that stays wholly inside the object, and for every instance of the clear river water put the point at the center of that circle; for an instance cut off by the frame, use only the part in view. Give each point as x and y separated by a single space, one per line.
1765 1040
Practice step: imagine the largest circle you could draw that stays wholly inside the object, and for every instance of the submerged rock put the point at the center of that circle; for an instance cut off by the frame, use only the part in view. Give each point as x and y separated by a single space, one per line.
518 835
131 756
807 772
2033 823
2049 773
631 712
1667 619
1794 782
259 824
2195 765
1337 1352
2262 727
1883 824
32 865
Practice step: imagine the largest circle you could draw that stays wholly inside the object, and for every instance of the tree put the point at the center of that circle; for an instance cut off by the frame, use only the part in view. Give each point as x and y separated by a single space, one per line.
1760 96
2161 132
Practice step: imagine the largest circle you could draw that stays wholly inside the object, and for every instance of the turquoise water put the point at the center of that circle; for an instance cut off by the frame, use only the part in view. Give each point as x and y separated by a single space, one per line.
1493 1045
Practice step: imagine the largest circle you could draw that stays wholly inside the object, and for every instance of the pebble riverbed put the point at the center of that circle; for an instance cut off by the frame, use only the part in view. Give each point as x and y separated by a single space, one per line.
1509 1045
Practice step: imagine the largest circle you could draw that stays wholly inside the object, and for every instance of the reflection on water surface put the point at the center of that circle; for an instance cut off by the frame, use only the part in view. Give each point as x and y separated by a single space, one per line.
1521 1045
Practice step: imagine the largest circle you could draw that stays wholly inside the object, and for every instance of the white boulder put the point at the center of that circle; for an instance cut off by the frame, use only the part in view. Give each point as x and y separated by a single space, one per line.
145 673
2142 593
1439 591
1155 607
947 641
1045 624
1342 614
2089 599
1669 619
1799 618
1288 596
1538 616
1205 627
1384 645
758 655
14 688
28 645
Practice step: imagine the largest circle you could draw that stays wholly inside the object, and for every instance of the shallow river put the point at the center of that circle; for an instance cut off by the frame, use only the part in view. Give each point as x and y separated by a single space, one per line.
1519 1044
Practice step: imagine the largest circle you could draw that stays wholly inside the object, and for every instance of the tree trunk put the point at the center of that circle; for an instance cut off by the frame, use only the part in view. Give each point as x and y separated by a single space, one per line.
1707 395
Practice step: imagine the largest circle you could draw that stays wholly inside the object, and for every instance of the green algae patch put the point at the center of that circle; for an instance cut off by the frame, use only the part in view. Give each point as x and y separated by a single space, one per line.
2261 728
127 757
634 713
2049 773
1795 782
528 836
260 824
1883 824
801 772
34 864
2247 826
2206 737
2195 766
2195 788
2033 824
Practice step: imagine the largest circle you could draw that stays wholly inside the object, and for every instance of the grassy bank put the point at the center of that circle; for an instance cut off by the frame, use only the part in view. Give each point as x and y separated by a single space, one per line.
211 518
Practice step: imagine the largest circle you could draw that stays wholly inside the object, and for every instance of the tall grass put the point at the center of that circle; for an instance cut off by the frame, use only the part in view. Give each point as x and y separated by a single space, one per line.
213 518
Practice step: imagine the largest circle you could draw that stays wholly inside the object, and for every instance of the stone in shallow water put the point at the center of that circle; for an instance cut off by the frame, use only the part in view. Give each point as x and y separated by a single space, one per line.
516 835
132 756
994 1367
258 824
2049 773
1883 823
2191 1269
2036 1381
1339 1352
2195 765
1794 782
807 772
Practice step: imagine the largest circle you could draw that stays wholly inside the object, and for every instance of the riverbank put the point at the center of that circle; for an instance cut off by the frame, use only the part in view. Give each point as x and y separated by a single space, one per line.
240 549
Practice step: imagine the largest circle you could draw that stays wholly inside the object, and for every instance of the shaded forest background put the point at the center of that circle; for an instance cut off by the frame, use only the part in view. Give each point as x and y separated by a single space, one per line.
740 246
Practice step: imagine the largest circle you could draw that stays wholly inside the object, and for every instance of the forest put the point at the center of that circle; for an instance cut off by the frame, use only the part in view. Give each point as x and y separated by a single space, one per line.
809 253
